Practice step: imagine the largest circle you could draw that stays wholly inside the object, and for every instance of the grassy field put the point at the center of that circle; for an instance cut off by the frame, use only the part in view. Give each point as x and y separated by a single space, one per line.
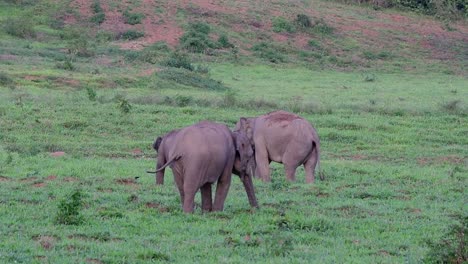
394 152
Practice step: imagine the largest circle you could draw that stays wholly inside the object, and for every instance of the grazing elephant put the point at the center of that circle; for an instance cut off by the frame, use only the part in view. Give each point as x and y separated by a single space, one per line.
285 138
202 154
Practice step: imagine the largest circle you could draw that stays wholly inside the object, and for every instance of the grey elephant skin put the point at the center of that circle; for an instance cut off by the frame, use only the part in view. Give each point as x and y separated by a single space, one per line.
202 154
285 138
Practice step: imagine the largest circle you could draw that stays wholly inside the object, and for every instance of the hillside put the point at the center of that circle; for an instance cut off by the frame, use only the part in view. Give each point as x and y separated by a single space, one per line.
334 36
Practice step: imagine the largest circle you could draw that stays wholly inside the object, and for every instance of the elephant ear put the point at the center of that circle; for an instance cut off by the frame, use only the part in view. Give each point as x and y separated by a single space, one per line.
157 143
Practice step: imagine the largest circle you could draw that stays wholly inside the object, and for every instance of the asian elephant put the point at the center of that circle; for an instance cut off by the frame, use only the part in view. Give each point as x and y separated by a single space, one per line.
202 154
285 138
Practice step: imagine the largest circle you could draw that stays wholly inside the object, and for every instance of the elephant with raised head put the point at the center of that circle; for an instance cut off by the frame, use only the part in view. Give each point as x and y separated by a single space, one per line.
202 154
285 138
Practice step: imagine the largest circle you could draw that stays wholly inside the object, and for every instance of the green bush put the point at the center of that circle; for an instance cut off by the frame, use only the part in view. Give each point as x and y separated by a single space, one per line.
452 248
179 60
189 78
19 27
6 80
91 93
98 18
67 64
154 53
196 38
133 18
69 209
132 34
303 21
281 24
124 105
96 7
268 52
322 28
223 42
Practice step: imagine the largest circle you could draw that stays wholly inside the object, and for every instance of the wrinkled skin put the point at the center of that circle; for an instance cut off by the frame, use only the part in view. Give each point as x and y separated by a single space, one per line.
200 155
285 138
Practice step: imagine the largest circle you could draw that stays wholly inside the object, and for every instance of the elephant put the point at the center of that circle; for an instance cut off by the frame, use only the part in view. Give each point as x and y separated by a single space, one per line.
285 138
202 154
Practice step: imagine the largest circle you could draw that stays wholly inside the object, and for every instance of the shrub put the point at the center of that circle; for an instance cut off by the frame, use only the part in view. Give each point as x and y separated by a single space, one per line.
369 77
280 24
124 105
19 27
6 80
67 64
303 21
223 42
99 15
179 60
96 7
154 53
268 52
452 247
132 34
91 93
133 18
69 209
98 18
185 77
322 28
197 39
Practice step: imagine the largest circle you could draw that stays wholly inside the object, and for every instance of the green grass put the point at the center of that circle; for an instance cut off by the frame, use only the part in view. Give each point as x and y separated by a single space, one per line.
393 151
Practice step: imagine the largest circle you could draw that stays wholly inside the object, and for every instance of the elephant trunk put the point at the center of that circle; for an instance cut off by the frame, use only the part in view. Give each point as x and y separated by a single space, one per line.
249 189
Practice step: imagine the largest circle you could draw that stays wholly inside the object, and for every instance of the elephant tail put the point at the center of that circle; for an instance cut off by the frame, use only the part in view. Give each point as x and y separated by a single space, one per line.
165 165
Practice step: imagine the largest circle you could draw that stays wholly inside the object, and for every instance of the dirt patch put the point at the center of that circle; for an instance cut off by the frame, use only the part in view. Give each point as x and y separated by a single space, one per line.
28 179
137 152
39 184
93 260
158 206
127 181
46 242
440 160
4 178
57 154
51 178
70 179
8 57
34 78
68 82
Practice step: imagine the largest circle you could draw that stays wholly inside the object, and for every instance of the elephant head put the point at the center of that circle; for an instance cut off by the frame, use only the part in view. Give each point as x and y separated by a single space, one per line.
244 164
245 125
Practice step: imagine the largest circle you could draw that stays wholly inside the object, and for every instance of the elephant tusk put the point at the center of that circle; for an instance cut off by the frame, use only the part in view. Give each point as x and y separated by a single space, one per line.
150 172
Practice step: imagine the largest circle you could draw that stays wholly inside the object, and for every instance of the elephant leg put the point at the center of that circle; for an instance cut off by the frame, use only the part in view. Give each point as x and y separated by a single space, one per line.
179 180
222 188
263 164
309 167
290 170
207 204
189 199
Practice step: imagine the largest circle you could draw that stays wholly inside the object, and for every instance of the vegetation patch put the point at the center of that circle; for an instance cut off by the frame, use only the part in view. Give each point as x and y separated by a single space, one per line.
186 77
269 52
196 38
21 27
69 209
133 18
452 248
281 24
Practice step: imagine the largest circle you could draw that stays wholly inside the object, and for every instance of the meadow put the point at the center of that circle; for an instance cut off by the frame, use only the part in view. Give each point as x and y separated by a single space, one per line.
75 143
